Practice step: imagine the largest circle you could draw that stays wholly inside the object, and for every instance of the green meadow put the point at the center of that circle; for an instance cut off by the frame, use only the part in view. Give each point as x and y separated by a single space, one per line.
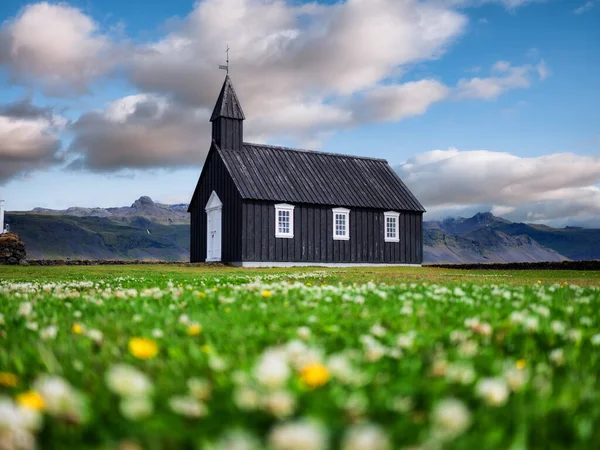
208 357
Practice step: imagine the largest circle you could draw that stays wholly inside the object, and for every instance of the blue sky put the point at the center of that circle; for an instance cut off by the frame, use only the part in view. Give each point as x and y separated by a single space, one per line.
479 104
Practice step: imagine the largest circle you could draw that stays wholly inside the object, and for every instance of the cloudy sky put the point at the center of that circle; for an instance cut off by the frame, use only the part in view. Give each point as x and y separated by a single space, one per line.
479 104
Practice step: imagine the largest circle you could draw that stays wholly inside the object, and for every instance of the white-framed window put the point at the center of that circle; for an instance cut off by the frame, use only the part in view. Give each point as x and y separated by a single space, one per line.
341 224
392 233
284 220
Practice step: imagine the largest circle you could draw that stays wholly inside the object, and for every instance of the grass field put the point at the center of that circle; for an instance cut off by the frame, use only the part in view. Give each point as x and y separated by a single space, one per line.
170 357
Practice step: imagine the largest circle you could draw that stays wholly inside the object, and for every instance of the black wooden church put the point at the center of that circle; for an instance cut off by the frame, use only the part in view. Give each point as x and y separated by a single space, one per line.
261 205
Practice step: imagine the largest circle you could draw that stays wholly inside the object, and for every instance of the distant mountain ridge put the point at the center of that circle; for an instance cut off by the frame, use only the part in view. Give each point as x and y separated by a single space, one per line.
142 207
149 230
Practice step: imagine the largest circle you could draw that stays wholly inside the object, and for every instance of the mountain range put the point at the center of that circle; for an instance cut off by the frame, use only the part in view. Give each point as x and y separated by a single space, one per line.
149 230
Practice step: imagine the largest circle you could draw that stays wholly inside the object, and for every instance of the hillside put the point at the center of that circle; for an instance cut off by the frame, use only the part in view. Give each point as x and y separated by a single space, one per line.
153 231
49 236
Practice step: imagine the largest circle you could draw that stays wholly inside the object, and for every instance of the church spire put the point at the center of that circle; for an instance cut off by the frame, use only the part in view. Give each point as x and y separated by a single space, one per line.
227 118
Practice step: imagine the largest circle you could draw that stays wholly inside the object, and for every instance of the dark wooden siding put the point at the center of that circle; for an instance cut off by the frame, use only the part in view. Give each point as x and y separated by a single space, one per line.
313 236
215 177
228 133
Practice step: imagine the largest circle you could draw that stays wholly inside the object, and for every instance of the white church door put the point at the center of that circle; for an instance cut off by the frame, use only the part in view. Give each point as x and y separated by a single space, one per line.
214 207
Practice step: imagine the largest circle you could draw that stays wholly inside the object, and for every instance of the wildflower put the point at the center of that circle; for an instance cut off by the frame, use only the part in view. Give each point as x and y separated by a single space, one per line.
315 375
298 435
595 339
199 388
520 364
48 333
450 418
194 329
557 356
365 437
237 440
246 398
143 348
516 377
96 335
378 330
280 403
60 398
157 333
266 293
77 329
188 406
272 369
25 309
8 379
136 408
32 400
304 333
125 380
493 390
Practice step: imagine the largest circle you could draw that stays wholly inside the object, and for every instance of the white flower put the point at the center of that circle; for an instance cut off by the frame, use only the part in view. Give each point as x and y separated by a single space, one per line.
460 373
157 333
95 335
532 323
25 309
184 319
516 378
136 408
558 327
188 406
406 340
60 398
199 388
247 398
557 356
48 333
378 330
281 404
595 339
575 335
365 437
299 435
450 418
17 425
237 440
493 390
272 370
304 333
125 380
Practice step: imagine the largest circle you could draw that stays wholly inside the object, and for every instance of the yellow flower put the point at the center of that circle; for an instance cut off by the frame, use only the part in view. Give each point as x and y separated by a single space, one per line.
521 364
143 348
206 349
8 379
194 329
539 281
228 309
77 329
31 400
201 294
315 375
266 293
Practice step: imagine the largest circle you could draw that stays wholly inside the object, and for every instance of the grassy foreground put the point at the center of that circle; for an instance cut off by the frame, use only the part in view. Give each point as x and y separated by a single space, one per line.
168 357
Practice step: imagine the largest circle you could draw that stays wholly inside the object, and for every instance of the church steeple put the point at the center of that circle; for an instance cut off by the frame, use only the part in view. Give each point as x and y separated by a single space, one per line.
227 119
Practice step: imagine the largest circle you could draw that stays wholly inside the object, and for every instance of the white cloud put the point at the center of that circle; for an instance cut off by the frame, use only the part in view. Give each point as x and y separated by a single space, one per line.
543 70
585 7
140 131
295 68
28 139
545 188
55 45
504 77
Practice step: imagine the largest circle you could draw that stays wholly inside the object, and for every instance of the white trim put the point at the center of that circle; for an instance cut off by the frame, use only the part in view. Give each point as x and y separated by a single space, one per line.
258 264
290 209
346 213
394 215
214 202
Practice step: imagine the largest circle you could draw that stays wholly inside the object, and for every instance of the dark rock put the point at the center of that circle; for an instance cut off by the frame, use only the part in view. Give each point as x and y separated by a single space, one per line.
12 249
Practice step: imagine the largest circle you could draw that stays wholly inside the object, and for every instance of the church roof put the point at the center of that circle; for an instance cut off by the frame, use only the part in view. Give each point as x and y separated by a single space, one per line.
227 104
264 172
